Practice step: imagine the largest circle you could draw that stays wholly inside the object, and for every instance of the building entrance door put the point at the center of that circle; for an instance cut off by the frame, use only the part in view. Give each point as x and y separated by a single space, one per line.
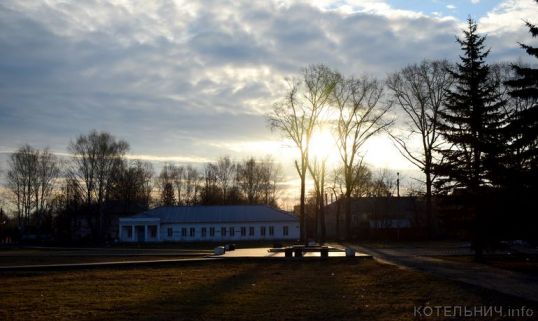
140 233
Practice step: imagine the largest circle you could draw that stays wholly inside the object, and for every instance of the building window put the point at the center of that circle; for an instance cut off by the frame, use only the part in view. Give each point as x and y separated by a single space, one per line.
184 231
211 231
285 230
204 231
262 230
152 229
170 232
251 231
223 231
271 230
243 231
191 232
232 231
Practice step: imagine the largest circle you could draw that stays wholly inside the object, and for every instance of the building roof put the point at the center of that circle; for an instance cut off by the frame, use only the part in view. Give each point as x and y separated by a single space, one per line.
216 214
387 207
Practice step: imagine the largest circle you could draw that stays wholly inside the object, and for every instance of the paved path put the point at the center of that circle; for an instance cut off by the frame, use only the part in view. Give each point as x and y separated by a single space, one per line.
264 253
504 281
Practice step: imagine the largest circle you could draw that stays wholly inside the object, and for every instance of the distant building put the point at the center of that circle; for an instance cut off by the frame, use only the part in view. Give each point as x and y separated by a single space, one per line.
391 214
209 223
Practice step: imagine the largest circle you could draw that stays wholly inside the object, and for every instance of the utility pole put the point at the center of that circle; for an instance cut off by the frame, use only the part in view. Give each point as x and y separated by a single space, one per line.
398 184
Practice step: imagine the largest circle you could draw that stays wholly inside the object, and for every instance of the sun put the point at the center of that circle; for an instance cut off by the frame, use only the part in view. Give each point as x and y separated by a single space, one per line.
323 146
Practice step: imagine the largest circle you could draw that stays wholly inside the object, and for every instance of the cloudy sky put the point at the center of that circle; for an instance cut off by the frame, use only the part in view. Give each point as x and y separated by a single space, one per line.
190 81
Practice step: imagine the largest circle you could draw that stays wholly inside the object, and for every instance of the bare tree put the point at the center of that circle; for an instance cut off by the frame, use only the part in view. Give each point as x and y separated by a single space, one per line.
178 180
31 177
145 181
192 181
175 175
168 181
270 177
248 180
420 92
21 179
168 197
131 184
48 172
363 179
414 187
382 184
256 181
336 188
318 169
225 171
297 115
210 193
95 158
361 115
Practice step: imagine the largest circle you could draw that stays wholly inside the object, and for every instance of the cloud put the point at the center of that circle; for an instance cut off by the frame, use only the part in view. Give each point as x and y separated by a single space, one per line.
193 80
451 7
508 16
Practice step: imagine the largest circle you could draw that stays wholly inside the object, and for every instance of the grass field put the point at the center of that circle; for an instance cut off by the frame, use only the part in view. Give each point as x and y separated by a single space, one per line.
336 289
39 260
32 256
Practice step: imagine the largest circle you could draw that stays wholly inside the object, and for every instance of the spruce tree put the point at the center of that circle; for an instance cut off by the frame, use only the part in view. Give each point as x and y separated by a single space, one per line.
472 119
523 128
521 164
472 124
167 195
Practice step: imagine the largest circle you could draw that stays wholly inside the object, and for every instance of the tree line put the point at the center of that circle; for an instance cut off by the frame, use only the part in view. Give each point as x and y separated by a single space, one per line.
83 194
469 127
224 182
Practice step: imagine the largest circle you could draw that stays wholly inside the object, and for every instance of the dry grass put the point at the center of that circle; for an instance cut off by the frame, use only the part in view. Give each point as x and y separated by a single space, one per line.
236 290
54 259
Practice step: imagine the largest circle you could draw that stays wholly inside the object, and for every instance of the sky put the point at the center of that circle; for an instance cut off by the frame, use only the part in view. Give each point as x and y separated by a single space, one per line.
191 81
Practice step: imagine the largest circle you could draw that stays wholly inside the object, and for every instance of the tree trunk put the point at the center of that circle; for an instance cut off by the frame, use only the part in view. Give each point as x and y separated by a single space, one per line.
322 220
338 236
302 217
479 207
316 221
348 216
429 214
322 206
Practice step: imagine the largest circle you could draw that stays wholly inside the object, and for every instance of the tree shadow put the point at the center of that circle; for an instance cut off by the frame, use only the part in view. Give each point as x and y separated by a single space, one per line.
259 291
185 303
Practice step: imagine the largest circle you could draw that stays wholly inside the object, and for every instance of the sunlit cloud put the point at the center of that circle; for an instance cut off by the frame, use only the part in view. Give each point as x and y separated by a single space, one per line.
186 81
508 17
170 159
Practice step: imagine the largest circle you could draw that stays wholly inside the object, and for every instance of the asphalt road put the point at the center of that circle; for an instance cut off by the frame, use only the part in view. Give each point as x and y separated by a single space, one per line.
504 281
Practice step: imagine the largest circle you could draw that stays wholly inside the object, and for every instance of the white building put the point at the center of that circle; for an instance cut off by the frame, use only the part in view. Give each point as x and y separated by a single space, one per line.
209 223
